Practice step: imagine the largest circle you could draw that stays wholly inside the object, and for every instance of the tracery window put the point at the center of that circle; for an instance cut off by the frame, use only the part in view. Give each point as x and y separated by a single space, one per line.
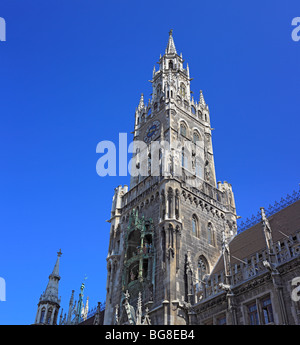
196 137
202 268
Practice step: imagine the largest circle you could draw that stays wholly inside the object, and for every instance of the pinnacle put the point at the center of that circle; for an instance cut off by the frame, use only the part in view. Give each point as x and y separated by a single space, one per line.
202 101
171 45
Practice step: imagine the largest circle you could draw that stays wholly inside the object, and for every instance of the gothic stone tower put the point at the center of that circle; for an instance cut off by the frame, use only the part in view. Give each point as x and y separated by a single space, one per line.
166 229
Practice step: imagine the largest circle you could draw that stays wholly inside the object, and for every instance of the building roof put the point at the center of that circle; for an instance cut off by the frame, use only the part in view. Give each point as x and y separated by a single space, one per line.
284 223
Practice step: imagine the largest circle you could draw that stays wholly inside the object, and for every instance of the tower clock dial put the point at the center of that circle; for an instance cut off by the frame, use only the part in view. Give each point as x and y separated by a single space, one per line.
151 131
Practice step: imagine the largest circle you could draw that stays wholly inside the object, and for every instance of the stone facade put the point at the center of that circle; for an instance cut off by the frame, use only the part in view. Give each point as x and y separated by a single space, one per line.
262 281
174 247
180 214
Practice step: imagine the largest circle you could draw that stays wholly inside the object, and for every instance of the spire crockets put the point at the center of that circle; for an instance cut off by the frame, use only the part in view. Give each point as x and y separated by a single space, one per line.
51 292
55 272
202 101
171 46
49 302
141 103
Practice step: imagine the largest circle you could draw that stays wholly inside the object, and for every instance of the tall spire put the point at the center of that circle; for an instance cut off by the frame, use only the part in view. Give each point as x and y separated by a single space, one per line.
171 46
49 302
55 272
51 292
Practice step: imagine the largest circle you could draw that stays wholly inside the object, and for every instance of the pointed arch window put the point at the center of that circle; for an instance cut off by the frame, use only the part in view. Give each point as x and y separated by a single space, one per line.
48 320
42 315
195 225
196 137
203 268
183 129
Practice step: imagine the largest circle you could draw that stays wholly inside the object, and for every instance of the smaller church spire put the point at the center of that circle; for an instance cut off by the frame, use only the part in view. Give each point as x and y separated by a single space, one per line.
49 302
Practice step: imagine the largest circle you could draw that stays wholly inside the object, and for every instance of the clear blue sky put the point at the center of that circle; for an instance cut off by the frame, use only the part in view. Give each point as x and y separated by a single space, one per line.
72 72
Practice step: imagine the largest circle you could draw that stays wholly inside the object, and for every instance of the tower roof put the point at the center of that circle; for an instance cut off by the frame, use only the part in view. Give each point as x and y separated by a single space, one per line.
171 45
55 272
51 292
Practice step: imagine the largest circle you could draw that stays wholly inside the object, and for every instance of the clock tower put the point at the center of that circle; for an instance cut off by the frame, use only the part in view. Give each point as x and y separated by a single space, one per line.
167 228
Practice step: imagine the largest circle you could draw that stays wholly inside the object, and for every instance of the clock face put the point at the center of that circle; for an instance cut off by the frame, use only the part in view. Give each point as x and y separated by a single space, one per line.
151 131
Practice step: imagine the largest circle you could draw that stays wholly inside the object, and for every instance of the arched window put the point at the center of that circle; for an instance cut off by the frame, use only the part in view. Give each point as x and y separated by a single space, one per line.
195 230
196 137
170 64
183 129
203 268
193 110
49 316
182 90
42 315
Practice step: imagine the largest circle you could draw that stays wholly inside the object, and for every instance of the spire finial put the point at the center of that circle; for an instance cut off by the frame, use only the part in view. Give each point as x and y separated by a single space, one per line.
59 253
171 46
